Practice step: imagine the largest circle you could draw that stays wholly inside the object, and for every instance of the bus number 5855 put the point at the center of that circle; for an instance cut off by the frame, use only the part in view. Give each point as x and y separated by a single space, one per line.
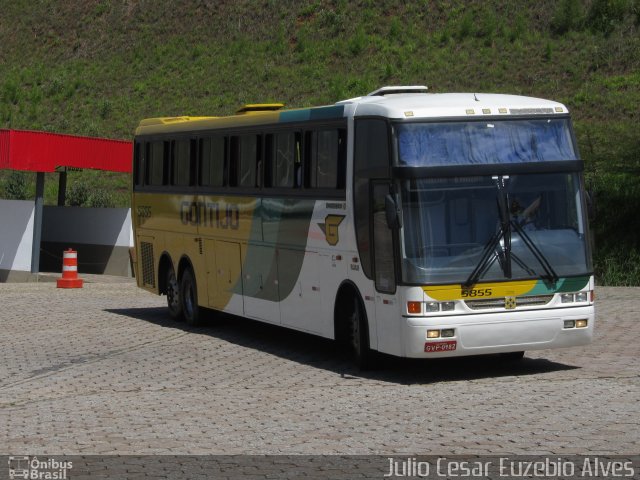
479 292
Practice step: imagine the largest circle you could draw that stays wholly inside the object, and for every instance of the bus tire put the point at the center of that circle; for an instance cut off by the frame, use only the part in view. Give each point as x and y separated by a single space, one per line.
512 356
174 299
189 299
363 356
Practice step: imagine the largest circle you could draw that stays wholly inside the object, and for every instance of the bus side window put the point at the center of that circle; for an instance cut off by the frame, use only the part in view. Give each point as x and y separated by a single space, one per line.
268 160
325 164
341 176
181 163
309 161
138 149
326 168
144 180
297 161
156 170
283 171
248 160
234 160
212 159
259 164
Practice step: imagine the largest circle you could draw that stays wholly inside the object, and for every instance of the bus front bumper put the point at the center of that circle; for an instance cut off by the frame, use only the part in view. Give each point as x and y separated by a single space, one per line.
502 332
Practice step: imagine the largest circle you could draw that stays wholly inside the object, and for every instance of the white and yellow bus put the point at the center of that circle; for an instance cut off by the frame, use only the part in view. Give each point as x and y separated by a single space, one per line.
413 224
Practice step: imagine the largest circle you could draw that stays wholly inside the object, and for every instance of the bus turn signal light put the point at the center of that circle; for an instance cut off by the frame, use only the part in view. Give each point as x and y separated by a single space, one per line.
414 307
581 323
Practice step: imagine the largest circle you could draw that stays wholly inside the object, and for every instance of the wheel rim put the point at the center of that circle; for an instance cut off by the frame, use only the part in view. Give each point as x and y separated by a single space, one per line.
173 296
188 300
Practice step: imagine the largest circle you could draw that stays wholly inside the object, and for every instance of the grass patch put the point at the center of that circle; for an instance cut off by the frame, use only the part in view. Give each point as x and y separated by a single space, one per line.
97 68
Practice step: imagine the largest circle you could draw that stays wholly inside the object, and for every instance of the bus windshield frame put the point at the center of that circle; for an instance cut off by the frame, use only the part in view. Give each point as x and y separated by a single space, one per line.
448 177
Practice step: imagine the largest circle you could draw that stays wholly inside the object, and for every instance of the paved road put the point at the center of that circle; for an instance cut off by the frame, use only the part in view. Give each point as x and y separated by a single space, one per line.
103 371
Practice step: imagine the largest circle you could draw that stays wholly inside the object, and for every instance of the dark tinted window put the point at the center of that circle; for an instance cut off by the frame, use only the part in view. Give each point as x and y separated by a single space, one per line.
156 164
212 156
326 151
371 161
285 156
181 163
327 159
248 160
137 163
382 242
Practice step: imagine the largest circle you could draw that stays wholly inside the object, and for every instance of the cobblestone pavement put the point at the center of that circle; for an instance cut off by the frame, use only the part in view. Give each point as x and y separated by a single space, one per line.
102 370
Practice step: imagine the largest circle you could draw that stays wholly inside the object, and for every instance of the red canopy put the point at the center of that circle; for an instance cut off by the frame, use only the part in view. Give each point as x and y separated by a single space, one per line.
43 152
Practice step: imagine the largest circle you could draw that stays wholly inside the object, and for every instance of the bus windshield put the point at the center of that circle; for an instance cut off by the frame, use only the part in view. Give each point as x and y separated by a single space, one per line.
484 142
448 223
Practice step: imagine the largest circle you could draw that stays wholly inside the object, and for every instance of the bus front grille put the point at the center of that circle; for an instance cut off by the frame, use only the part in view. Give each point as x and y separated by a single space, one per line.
524 301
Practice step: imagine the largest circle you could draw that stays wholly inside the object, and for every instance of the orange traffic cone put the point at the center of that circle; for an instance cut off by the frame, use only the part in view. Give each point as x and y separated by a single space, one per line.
69 271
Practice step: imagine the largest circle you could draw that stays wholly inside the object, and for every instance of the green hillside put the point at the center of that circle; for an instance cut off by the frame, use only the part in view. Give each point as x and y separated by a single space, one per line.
98 67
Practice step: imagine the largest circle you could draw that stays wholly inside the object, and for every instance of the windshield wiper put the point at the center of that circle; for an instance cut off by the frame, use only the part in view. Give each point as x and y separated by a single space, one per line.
494 251
503 254
550 273
486 260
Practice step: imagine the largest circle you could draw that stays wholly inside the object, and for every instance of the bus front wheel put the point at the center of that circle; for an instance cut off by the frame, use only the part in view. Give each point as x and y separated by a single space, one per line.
174 301
512 356
364 357
189 298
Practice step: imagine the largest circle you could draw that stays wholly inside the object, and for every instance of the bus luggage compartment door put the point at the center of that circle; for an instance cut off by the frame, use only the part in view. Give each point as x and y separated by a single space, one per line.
299 290
224 276
260 283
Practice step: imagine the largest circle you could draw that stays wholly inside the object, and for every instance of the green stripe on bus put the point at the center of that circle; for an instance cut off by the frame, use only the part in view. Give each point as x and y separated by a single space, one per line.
279 225
320 113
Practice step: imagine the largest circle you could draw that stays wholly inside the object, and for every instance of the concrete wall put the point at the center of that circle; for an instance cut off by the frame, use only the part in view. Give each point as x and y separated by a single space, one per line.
16 238
102 237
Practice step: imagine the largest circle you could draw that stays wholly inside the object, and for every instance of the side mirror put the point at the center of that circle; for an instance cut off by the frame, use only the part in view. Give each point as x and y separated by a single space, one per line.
394 216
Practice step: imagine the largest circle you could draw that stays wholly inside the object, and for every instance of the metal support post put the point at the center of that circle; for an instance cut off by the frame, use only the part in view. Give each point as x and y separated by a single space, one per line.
37 223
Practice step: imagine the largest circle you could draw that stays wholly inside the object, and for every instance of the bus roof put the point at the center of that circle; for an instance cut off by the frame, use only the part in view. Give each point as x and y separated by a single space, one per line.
401 102
436 105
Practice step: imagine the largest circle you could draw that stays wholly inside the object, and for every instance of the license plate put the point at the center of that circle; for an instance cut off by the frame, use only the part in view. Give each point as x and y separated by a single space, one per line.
446 346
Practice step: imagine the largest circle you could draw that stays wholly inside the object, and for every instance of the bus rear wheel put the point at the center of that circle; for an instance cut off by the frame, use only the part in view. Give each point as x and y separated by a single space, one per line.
174 302
189 298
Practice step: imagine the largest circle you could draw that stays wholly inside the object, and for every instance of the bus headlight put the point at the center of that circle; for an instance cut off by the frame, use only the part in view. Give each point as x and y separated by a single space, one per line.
439 306
575 297
447 306
566 298
581 296
432 307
